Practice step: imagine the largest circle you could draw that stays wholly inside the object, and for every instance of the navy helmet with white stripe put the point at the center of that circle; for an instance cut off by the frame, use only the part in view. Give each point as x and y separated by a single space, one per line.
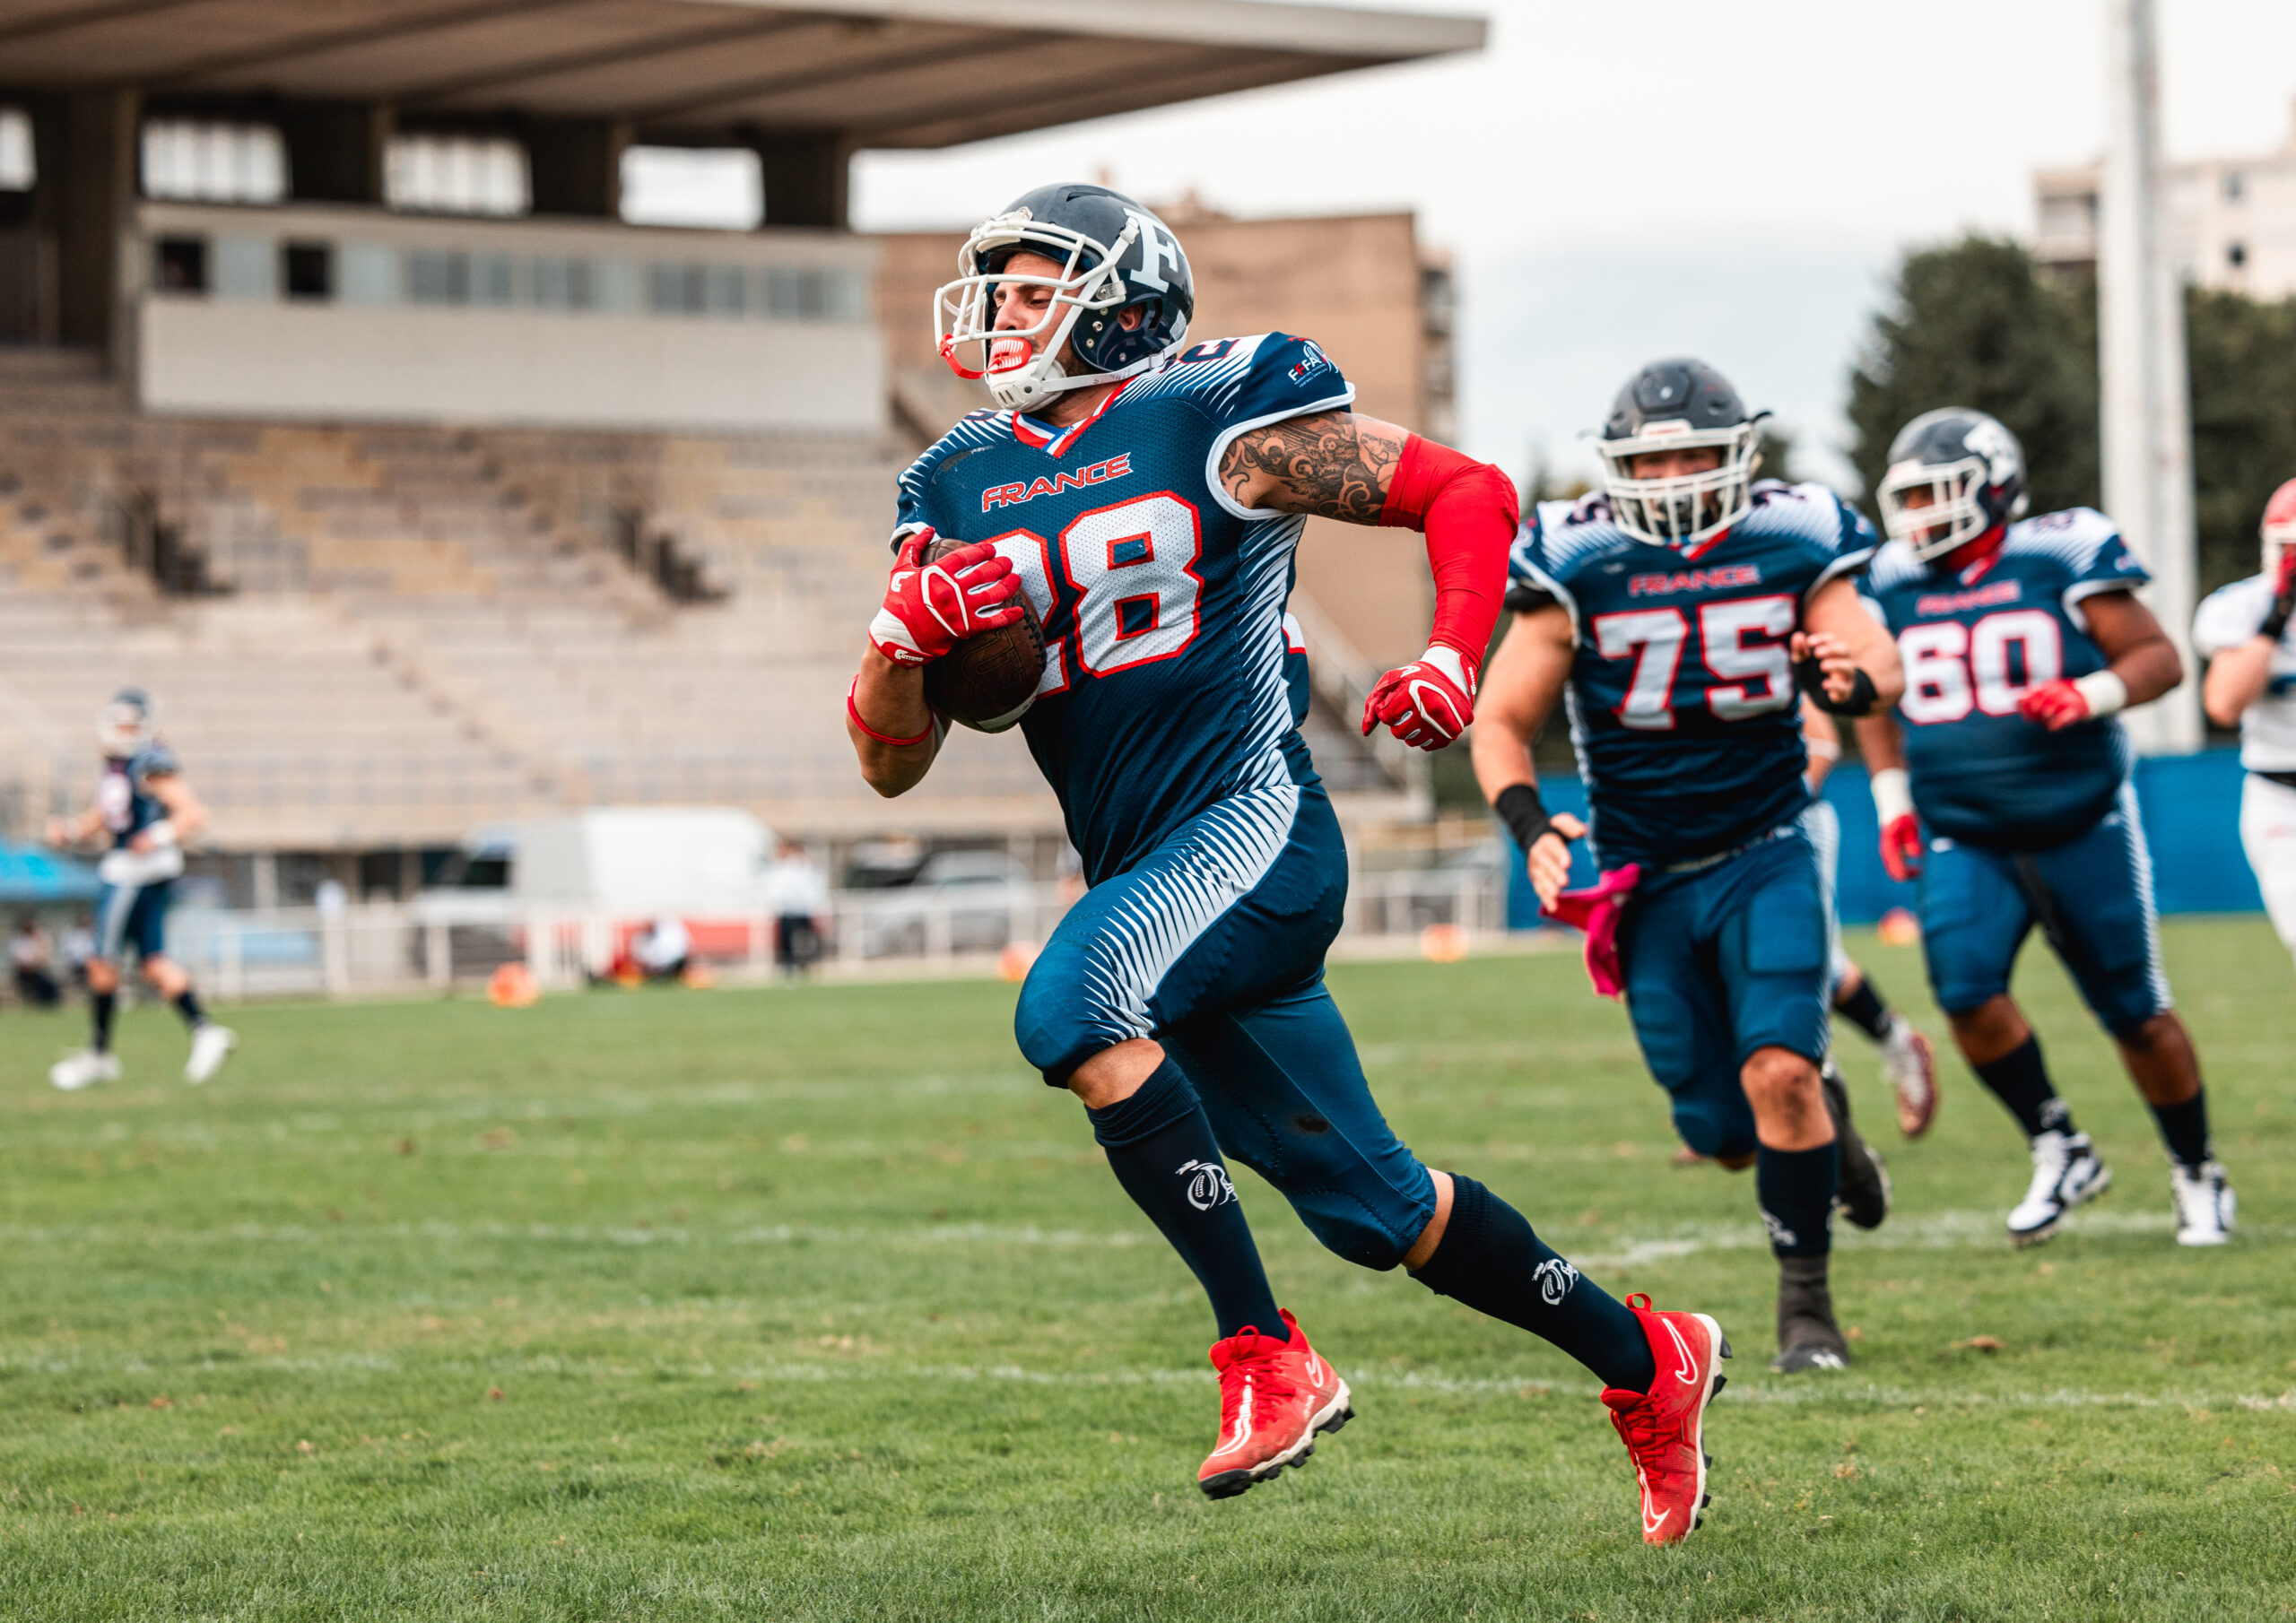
1970 473
1115 256
1681 404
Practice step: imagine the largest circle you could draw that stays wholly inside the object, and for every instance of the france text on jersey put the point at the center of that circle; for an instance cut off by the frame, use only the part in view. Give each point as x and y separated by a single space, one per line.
1974 642
1682 700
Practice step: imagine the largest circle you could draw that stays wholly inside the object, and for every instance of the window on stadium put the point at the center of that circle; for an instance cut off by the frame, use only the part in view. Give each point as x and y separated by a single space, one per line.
455 175
17 170
717 188
179 265
307 270
192 160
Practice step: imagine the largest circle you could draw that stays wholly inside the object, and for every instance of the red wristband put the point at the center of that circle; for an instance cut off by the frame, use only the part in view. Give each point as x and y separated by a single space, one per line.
854 711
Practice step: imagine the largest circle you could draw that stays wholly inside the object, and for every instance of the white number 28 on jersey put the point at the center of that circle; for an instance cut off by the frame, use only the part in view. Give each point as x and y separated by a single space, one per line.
1133 569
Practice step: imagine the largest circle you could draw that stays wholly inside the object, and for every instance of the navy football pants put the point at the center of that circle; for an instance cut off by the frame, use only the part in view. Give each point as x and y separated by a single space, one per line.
1214 945
132 915
2092 897
1720 962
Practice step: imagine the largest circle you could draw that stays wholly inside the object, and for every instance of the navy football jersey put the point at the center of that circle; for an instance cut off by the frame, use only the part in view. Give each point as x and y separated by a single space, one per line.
1682 700
1975 641
1166 686
124 796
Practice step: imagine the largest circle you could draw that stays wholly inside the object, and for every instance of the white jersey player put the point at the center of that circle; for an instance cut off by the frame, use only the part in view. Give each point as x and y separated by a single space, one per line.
2242 631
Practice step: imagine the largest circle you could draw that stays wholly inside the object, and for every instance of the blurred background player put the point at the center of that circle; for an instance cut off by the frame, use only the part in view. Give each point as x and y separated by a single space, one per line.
2242 631
2022 639
1182 998
799 893
1907 1063
149 813
33 961
1678 616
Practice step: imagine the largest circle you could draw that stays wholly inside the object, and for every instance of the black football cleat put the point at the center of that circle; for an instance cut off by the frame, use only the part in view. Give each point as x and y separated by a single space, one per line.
1863 1195
1807 1336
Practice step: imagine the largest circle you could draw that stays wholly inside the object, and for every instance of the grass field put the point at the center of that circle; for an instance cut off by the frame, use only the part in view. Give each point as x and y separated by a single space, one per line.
817 1305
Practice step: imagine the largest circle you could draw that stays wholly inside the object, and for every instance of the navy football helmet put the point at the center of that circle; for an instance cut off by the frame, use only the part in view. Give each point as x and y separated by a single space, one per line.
1114 256
128 724
1970 471
1676 406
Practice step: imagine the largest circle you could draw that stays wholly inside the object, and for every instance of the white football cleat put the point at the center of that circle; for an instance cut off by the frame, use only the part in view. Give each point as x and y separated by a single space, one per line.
2204 1203
2066 1173
210 1045
1911 1068
85 1069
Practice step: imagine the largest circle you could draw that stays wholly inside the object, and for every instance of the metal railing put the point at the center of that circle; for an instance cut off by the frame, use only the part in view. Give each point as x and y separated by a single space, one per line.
395 949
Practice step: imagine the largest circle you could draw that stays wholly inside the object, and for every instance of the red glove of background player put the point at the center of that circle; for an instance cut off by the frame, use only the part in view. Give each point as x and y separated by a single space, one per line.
1427 703
930 608
1901 847
2055 705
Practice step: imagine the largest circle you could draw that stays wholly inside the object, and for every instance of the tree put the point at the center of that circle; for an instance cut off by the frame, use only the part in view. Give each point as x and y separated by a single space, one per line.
1972 325
2243 363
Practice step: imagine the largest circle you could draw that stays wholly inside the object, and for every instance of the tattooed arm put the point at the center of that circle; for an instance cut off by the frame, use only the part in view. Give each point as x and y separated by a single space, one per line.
1334 463
1359 469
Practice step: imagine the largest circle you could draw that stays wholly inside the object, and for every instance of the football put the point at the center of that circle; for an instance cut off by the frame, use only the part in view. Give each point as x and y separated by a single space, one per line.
988 680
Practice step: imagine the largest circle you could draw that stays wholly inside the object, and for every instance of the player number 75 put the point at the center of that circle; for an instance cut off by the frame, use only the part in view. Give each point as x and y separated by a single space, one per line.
1653 639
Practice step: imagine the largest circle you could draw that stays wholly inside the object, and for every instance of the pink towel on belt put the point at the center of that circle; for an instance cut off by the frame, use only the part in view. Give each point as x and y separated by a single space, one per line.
1596 910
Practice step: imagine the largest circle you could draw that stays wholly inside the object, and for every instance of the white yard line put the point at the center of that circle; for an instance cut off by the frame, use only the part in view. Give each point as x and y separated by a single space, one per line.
868 1370
1951 1230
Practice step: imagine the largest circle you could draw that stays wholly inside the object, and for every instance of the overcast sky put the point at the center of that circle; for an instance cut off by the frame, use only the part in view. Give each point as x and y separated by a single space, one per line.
1619 182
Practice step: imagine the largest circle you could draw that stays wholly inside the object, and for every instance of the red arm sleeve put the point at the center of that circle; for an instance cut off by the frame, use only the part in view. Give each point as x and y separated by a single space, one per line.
1469 511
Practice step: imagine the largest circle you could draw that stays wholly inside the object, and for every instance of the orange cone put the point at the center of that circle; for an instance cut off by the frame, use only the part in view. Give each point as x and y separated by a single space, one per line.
513 987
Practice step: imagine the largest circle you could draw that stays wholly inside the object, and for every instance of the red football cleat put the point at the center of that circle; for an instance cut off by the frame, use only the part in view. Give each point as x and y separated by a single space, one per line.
1274 1397
1665 1429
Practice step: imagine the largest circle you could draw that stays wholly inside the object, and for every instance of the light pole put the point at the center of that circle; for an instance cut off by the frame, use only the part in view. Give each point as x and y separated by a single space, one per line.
2146 412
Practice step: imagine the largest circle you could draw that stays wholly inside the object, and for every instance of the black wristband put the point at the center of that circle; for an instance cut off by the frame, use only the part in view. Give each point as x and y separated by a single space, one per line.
1524 813
1811 677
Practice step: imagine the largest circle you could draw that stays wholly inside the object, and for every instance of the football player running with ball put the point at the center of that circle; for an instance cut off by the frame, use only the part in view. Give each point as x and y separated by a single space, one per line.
1680 616
147 810
2242 631
1144 498
2022 639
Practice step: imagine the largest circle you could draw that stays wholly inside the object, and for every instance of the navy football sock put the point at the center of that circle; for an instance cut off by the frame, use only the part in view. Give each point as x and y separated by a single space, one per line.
1489 1259
1795 1188
2021 1082
188 1005
99 1010
1160 1148
2184 1128
1865 1006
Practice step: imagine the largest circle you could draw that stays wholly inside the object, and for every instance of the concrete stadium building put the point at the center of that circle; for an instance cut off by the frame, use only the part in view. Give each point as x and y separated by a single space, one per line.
339 406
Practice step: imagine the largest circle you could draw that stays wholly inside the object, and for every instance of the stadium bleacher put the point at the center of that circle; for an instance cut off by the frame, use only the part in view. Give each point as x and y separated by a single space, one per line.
419 629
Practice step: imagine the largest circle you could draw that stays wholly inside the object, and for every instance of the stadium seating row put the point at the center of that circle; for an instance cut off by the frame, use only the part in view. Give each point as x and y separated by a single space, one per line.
421 627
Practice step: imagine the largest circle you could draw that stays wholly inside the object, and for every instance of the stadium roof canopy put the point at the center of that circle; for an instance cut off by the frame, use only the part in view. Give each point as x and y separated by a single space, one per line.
867 72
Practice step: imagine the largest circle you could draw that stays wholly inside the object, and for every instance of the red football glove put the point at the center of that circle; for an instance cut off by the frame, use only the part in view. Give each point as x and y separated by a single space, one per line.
2055 705
1427 703
2284 598
1901 847
930 608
